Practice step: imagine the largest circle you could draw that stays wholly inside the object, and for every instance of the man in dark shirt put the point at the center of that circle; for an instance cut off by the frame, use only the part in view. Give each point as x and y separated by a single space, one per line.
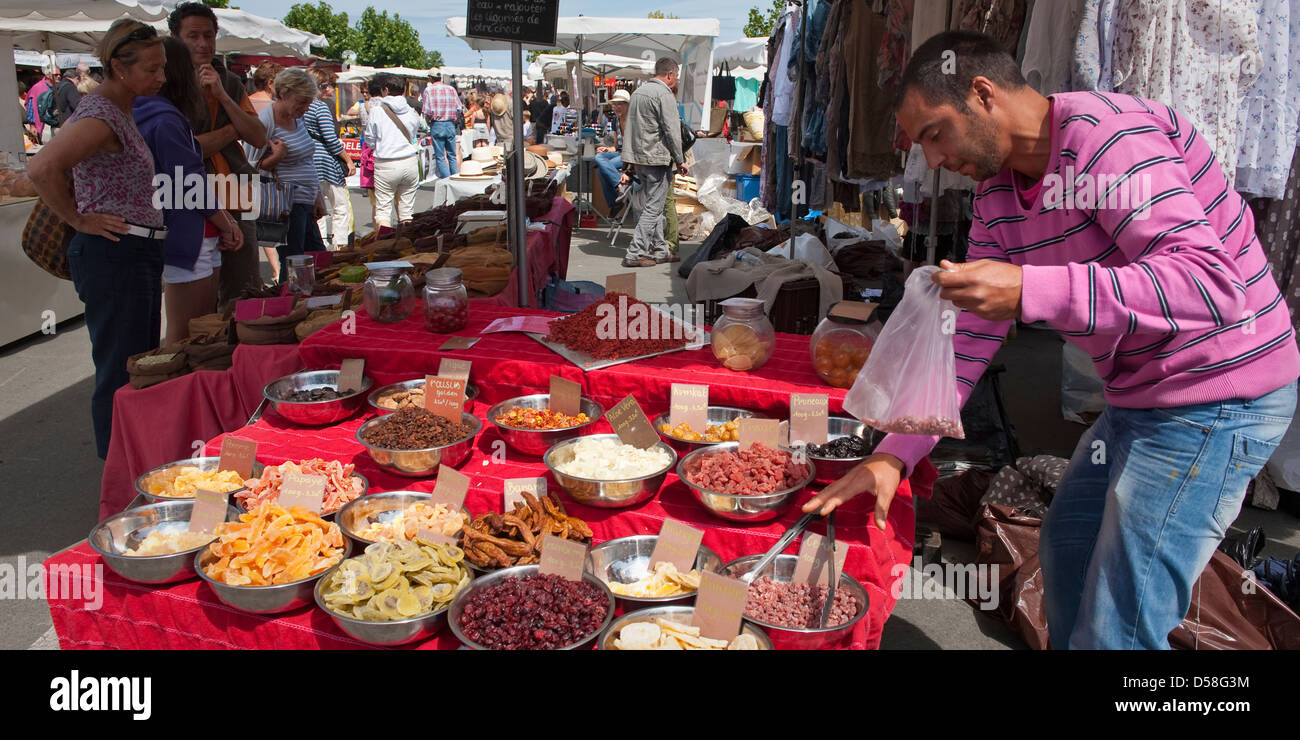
540 111
66 95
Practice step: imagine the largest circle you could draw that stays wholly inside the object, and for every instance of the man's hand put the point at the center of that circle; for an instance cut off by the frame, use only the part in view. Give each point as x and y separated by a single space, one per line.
987 288
603 149
352 166
232 239
682 169
319 211
210 81
879 474
624 179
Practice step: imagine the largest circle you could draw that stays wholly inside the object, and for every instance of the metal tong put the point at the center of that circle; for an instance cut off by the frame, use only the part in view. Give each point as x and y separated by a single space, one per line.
828 552
780 545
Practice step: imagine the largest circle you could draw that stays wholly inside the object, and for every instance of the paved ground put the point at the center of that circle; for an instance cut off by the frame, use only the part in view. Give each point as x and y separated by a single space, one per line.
47 457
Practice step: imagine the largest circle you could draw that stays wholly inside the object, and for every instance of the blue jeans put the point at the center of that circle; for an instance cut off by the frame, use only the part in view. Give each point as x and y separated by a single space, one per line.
608 165
121 284
303 236
444 147
1146 499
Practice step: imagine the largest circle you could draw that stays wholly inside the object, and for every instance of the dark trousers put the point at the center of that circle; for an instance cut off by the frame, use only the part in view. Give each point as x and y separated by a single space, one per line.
303 236
121 285
239 269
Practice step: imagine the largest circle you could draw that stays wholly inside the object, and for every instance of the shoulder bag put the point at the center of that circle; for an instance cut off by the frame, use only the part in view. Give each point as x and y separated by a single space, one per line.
277 201
45 240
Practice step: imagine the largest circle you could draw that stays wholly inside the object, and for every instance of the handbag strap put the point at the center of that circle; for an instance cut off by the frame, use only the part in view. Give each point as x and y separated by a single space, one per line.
396 121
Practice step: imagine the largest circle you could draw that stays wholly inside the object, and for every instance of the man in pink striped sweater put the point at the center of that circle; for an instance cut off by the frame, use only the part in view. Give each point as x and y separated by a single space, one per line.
1107 217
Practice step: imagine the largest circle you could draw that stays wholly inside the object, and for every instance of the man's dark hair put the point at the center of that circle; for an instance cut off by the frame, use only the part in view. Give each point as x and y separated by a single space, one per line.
189 10
564 99
392 82
942 77
664 65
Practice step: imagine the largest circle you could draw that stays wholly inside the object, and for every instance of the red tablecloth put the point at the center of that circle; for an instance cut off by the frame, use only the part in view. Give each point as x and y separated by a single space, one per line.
159 424
188 615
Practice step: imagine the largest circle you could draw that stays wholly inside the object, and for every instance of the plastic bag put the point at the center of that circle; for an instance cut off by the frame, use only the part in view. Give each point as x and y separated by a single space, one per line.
909 382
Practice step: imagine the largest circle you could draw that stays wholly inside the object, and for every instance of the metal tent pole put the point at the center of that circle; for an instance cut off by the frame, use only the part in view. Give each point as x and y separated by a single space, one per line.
932 239
518 228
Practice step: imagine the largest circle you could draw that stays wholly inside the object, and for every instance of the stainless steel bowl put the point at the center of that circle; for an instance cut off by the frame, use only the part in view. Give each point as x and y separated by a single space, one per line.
471 392
605 494
387 634
717 415
112 537
757 507
365 487
421 463
489 580
265 599
831 469
357 514
785 638
202 463
534 441
679 614
627 559
314 413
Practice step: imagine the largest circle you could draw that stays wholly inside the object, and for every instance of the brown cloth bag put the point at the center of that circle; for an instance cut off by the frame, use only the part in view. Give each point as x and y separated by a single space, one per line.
45 241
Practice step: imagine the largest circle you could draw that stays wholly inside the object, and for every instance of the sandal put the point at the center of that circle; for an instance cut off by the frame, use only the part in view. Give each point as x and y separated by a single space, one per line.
640 262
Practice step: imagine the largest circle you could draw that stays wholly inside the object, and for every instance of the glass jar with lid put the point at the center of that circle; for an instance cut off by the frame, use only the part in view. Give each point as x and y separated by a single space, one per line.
301 274
446 304
840 346
389 295
743 339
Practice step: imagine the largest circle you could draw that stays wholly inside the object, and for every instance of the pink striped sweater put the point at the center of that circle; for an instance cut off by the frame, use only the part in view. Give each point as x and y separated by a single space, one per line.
1161 279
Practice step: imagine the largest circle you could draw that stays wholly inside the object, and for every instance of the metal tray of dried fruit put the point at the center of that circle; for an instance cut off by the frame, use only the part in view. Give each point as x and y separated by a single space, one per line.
586 362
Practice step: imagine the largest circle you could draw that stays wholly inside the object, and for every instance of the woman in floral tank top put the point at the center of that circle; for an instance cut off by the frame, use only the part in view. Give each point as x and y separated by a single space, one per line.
116 256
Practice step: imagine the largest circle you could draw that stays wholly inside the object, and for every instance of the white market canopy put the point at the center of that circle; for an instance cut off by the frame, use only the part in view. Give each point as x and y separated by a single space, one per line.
743 53
596 63
688 41
78 25
62 60
360 73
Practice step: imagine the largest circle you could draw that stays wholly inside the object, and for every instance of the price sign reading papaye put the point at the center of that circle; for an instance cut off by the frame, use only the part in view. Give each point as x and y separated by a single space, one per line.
307 491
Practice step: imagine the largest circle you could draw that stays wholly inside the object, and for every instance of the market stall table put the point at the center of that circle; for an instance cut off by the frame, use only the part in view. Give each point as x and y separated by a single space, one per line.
163 423
505 365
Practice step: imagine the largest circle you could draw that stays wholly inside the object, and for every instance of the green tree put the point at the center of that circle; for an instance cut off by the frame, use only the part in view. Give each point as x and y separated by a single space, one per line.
433 58
321 19
217 3
659 14
534 53
761 24
383 41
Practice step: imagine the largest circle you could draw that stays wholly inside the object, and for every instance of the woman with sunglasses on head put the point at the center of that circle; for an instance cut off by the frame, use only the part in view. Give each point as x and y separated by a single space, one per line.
292 159
116 255
333 165
195 236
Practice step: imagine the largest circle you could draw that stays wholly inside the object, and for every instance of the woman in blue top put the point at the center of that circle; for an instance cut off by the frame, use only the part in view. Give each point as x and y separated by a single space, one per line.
195 236
293 159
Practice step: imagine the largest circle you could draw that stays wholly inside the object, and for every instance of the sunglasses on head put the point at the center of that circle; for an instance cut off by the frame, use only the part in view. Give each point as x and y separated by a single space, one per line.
143 33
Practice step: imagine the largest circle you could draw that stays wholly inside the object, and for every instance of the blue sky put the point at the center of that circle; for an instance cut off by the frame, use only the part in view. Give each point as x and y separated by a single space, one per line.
428 18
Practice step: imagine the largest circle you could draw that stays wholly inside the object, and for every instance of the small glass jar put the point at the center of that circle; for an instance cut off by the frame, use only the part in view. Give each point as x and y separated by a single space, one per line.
839 347
389 295
446 304
301 274
743 339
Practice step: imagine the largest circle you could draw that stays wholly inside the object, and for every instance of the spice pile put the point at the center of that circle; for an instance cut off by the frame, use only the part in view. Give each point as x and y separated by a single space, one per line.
727 432
537 612
503 540
797 605
392 582
606 333
414 428
522 418
341 486
757 470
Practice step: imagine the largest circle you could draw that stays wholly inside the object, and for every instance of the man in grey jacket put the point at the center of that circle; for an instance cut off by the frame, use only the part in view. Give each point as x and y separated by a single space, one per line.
653 145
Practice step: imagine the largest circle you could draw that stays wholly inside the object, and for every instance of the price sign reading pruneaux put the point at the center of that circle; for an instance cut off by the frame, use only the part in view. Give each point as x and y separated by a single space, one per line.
525 21
808 418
